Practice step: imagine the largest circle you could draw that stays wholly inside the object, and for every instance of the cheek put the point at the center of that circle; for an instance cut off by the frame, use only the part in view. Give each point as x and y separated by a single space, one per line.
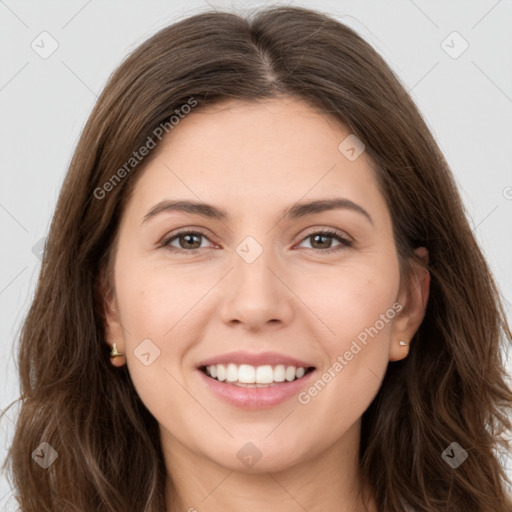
352 301
156 302
163 303
357 316
157 336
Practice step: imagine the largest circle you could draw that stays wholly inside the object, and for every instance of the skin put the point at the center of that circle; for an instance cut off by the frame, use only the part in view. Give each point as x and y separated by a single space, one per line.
296 298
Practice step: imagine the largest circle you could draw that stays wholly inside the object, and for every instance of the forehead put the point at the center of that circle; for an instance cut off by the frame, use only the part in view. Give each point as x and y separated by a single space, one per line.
266 130
254 155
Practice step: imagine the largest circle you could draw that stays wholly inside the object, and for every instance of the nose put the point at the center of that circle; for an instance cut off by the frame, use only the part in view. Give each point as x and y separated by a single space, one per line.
255 295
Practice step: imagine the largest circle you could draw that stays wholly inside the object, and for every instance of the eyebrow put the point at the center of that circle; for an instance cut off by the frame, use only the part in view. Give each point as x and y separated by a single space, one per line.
295 211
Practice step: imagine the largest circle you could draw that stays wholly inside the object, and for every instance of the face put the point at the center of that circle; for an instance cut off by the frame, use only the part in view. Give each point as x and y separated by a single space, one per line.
267 286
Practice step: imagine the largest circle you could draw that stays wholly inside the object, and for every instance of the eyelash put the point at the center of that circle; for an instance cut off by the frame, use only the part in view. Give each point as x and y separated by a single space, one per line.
344 242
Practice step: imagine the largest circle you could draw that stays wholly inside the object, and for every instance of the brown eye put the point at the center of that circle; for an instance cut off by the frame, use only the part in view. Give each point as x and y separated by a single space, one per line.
188 241
322 241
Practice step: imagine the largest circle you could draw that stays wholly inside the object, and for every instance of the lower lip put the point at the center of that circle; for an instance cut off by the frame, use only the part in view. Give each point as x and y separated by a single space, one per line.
255 398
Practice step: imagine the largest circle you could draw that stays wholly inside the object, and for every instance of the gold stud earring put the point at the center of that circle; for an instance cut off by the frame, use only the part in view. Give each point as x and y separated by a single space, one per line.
403 343
114 352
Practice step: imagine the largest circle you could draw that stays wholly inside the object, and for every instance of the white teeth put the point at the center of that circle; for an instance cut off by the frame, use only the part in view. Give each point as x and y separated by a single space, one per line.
248 374
279 373
300 373
221 372
232 373
264 374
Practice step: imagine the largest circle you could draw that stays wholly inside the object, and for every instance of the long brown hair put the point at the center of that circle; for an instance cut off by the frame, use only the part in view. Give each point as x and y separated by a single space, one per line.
452 386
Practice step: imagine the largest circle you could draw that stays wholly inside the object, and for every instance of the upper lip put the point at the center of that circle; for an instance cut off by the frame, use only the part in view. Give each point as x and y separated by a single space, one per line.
255 359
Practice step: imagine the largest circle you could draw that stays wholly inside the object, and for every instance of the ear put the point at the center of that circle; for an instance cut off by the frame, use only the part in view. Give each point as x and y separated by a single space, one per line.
110 316
413 297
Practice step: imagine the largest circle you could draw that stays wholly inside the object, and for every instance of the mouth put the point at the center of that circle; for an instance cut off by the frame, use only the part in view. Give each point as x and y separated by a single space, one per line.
249 376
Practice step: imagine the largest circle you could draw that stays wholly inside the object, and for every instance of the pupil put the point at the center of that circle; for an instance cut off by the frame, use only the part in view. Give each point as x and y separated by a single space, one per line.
189 237
316 237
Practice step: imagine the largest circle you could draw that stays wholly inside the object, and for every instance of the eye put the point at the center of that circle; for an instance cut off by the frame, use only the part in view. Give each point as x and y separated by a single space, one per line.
324 240
189 241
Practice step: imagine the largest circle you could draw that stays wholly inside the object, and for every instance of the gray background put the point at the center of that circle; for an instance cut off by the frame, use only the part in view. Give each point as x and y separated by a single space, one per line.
466 101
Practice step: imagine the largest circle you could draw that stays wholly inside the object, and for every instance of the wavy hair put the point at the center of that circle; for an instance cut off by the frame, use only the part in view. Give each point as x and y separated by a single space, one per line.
451 387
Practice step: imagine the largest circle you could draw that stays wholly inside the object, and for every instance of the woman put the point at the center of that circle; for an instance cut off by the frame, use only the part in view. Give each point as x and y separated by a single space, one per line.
248 370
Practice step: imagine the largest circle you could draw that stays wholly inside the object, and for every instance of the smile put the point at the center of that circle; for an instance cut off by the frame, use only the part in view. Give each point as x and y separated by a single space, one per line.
255 376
